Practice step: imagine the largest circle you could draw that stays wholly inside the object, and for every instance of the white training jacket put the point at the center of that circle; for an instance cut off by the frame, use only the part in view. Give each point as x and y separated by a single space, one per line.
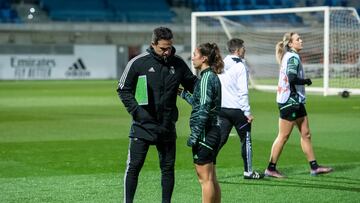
234 85
283 92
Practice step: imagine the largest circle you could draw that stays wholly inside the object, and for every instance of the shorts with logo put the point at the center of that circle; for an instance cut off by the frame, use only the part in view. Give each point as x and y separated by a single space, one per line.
291 113
206 152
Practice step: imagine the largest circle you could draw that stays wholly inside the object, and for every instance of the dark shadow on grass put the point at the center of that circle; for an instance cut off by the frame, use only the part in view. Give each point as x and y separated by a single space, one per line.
295 184
324 181
334 178
347 167
341 180
341 168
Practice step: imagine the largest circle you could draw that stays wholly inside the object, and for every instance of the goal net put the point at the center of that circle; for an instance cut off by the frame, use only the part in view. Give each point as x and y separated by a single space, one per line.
331 40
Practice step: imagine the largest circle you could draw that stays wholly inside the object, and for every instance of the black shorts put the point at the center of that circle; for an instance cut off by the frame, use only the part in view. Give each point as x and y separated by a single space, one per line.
291 113
206 152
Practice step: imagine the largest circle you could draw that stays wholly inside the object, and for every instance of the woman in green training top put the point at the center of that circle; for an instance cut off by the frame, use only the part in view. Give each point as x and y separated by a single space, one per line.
205 131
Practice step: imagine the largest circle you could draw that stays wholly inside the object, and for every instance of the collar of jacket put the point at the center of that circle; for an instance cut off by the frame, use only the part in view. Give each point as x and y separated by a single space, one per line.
293 51
206 70
157 57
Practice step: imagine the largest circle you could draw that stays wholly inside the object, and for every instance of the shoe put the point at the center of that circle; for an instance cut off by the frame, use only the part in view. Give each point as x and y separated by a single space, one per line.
320 170
254 175
274 174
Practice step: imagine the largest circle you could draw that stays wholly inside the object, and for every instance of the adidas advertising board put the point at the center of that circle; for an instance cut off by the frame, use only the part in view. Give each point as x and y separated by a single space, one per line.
86 62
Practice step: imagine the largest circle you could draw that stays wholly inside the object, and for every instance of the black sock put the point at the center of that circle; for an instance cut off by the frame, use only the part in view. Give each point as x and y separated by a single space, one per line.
272 166
314 165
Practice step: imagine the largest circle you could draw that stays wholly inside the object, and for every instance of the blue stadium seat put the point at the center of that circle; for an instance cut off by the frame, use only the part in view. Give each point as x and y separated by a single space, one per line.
248 4
144 17
277 4
142 11
262 4
79 10
309 3
226 5
84 15
241 5
5 4
287 18
108 10
7 14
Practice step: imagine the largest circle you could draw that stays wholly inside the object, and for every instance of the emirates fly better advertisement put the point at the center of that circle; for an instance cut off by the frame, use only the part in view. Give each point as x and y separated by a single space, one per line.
87 62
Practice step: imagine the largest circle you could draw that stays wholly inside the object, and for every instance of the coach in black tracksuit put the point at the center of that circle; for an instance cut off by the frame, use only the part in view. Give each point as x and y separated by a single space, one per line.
154 123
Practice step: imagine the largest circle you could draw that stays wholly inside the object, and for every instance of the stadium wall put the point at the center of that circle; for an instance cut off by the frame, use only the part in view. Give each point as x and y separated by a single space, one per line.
41 39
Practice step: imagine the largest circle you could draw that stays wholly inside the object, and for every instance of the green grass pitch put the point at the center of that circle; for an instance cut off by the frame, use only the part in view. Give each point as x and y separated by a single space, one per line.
66 141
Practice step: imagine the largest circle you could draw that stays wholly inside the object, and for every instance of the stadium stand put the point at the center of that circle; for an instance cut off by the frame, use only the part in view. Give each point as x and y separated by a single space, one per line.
142 11
225 5
113 21
228 5
107 10
80 10
7 13
158 11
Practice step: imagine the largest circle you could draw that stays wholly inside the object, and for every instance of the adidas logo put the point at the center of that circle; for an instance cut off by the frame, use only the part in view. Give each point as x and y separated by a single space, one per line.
152 70
78 69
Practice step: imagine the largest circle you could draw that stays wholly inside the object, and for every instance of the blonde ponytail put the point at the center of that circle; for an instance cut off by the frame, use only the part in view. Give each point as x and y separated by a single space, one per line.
283 46
279 51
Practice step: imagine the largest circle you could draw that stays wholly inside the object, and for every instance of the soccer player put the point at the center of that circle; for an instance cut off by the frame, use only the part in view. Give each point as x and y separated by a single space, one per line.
205 130
235 107
157 75
291 103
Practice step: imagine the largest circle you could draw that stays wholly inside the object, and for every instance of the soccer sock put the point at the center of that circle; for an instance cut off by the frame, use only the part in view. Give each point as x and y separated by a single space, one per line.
313 164
272 166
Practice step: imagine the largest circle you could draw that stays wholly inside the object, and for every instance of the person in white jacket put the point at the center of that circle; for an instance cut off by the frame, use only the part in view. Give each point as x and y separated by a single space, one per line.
235 108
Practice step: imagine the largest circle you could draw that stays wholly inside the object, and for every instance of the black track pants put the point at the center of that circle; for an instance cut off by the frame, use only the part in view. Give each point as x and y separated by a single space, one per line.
138 149
235 118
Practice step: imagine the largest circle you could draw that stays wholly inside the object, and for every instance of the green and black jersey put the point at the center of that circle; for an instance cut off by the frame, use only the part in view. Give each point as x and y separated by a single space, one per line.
206 103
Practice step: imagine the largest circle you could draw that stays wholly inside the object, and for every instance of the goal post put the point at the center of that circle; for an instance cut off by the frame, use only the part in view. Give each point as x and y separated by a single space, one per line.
331 38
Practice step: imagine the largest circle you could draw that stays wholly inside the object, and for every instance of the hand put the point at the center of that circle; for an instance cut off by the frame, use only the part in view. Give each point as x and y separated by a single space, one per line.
250 118
192 141
308 81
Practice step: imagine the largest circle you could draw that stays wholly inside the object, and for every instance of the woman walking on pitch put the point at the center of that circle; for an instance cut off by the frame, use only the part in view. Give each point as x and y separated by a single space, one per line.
291 103
205 131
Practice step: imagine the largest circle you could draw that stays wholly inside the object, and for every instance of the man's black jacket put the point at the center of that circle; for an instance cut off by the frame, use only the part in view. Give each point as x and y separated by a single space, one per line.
155 121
